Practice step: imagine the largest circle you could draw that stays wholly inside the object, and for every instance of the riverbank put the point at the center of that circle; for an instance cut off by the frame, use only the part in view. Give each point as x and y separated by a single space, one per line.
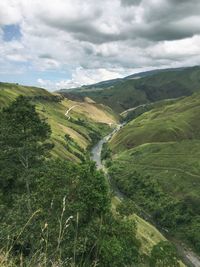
188 257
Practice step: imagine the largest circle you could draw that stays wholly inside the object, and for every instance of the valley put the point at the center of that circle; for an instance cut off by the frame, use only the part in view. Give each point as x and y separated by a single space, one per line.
148 232
152 86
100 133
149 153
87 121
155 160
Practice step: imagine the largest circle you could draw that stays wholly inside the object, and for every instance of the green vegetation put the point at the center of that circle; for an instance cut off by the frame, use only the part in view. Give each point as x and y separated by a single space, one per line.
133 113
22 139
156 164
147 234
58 213
164 254
54 212
131 91
169 122
85 124
106 152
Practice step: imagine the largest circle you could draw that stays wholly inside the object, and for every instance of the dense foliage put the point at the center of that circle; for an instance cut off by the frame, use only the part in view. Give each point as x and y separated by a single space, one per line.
164 254
180 217
54 211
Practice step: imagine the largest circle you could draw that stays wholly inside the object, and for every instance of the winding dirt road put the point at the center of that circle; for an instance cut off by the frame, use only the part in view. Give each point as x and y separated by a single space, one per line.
67 112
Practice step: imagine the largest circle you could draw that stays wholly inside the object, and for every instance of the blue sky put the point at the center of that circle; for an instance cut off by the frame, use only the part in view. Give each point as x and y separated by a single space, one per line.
63 44
11 32
27 74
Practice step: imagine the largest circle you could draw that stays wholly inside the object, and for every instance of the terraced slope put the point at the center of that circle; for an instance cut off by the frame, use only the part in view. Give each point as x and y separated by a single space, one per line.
73 133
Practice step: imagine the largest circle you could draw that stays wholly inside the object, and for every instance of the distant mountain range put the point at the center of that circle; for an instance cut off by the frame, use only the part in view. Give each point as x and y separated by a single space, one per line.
112 82
140 88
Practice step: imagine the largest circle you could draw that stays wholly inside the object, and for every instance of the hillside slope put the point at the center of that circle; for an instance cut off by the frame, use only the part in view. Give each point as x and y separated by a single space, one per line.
156 163
132 91
175 121
84 120
73 133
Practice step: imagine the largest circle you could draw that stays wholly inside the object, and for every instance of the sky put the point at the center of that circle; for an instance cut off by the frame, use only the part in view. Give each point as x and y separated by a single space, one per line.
67 43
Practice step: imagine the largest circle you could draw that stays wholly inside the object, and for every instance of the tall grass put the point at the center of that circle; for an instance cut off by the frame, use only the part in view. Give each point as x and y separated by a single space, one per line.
42 257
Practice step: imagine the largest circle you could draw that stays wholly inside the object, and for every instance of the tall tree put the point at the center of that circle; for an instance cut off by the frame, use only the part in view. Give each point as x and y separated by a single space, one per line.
22 136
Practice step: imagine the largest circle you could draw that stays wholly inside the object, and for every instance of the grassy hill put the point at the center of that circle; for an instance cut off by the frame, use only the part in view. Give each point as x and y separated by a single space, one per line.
148 235
156 163
169 122
138 89
85 123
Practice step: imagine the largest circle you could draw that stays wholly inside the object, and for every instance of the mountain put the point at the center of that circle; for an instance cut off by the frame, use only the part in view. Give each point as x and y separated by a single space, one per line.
142 88
151 72
109 83
156 164
76 126
61 194
73 134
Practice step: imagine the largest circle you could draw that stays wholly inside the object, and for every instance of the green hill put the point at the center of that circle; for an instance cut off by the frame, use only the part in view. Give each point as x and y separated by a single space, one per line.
71 134
156 163
135 90
169 122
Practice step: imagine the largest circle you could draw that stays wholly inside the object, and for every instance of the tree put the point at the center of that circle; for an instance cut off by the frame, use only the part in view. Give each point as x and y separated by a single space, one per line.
68 220
193 233
127 207
22 136
118 245
164 255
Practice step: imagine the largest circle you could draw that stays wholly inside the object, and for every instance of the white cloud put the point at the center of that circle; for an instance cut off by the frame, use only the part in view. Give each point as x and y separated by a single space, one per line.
180 49
82 76
94 41
10 12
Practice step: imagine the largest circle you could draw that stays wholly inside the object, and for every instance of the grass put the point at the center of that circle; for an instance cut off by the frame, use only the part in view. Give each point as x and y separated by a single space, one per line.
163 144
97 118
147 234
175 165
95 115
169 122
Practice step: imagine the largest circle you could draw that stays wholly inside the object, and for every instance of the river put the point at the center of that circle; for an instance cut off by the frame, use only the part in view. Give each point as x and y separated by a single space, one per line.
96 150
189 258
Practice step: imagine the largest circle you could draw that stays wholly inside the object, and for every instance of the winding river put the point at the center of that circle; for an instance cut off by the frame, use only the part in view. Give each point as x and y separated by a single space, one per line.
189 258
96 150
